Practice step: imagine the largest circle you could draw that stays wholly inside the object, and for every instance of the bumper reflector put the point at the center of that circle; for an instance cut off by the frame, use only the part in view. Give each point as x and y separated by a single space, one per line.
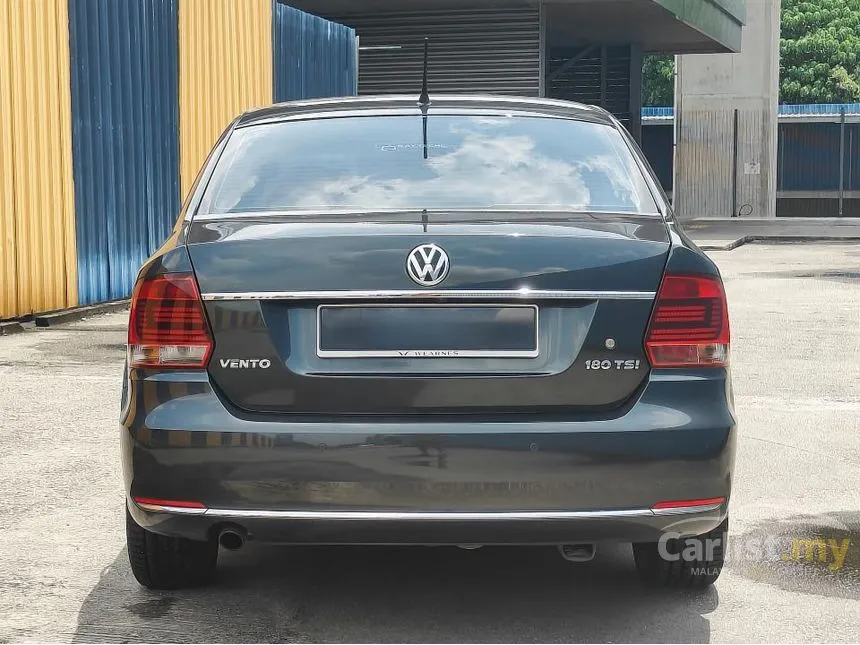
154 504
687 503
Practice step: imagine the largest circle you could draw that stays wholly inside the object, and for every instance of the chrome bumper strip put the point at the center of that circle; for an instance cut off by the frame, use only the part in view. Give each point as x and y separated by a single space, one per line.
396 516
453 294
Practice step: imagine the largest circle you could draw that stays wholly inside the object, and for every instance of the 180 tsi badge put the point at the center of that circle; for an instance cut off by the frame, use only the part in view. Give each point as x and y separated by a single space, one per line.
245 363
617 364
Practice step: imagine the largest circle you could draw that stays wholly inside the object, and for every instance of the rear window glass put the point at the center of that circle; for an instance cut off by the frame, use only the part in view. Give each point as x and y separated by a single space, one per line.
469 162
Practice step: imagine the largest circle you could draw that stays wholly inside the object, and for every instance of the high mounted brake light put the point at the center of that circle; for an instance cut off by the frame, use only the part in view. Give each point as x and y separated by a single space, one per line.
167 327
690 323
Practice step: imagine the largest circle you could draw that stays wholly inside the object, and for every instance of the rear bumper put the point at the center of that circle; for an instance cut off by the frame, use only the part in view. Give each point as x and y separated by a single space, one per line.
419 527
428 481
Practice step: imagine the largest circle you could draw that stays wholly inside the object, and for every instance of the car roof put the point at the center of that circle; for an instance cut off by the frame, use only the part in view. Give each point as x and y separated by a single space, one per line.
403 104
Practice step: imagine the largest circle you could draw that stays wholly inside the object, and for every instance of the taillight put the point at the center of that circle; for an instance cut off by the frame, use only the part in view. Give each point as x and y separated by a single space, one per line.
690 323
167 327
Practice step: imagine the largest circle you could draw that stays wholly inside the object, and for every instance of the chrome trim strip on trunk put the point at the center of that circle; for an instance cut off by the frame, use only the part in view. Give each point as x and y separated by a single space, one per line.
453 294
299 215
465 516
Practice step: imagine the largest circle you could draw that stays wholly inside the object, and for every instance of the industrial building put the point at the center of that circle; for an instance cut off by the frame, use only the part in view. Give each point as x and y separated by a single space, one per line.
111 105
580 50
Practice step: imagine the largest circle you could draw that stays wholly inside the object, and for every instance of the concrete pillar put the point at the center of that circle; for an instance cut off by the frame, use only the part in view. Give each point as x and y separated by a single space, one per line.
726 124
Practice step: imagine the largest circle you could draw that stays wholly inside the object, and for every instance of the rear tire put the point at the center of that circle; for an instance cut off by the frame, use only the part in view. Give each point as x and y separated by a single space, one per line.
162 562
691 562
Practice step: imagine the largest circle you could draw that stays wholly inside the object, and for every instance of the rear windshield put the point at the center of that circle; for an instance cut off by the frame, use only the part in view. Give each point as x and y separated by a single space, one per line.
468 162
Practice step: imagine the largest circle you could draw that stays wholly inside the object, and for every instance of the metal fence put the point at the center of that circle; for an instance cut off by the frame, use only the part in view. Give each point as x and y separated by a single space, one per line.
818 158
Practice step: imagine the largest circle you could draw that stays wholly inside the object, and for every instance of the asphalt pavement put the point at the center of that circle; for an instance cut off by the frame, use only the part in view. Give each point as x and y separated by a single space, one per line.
793 574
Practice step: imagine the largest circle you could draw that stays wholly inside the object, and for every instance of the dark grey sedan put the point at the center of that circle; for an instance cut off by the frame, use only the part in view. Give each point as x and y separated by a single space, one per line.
473 322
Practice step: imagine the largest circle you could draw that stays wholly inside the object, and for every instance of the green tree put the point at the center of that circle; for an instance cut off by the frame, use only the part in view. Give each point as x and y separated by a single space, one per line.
658 82
819 56
820 51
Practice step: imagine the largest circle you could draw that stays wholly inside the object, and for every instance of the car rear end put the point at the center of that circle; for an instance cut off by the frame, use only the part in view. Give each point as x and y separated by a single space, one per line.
472 326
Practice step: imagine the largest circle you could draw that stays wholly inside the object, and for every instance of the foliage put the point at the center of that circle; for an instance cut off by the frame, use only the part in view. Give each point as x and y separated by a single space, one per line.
820 51
819 56
658 82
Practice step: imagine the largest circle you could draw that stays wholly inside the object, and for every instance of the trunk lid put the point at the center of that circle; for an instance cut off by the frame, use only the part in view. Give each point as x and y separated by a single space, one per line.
264 279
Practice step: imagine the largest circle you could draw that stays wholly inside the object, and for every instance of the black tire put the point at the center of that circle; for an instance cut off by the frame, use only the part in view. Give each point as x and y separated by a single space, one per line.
683 572
161 562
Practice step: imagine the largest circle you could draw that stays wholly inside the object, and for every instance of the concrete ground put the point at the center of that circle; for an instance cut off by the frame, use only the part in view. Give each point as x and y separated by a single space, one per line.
795 313
727 234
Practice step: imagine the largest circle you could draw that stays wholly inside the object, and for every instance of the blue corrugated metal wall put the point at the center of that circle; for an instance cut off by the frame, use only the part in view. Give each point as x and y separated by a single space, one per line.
852 156
313 57
658 144
125 145
808 156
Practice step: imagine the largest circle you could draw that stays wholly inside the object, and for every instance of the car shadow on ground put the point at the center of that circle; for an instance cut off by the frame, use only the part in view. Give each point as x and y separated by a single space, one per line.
388 594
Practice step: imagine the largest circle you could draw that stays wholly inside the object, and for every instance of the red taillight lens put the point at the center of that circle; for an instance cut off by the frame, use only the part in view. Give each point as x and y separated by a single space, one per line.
167 327
690 323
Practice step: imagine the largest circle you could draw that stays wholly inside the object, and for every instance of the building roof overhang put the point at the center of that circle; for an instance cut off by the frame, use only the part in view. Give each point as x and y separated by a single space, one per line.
672 26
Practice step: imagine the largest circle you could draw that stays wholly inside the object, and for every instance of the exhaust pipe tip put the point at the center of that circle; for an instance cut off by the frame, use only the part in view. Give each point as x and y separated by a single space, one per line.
578 552
231 539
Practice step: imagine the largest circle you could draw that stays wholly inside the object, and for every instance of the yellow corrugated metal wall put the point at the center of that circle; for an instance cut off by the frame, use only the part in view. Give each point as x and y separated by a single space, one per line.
225 67
37 221
8 275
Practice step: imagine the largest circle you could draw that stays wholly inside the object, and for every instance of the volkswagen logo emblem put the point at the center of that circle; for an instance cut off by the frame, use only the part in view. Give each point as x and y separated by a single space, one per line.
427 265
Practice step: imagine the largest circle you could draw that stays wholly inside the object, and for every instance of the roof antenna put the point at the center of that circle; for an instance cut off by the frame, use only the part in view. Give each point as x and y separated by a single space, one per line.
424 99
